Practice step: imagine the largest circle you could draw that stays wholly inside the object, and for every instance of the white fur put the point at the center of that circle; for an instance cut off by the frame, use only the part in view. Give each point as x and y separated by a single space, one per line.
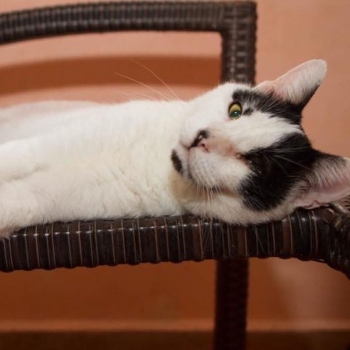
96 164
63 161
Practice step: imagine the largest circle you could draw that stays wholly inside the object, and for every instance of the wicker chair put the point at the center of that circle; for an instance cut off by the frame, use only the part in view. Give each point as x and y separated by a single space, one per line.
320 235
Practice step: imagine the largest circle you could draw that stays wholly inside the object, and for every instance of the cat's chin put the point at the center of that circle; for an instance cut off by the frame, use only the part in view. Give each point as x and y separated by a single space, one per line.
188 179
194 170
187 189
181 160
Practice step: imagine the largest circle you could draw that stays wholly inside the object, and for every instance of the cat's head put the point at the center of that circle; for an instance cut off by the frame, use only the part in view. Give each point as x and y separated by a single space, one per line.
244 156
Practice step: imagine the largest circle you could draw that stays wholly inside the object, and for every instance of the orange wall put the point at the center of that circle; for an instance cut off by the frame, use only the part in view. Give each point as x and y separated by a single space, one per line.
284 294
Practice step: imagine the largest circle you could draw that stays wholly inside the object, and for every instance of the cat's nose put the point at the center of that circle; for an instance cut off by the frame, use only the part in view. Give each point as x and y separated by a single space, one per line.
199 140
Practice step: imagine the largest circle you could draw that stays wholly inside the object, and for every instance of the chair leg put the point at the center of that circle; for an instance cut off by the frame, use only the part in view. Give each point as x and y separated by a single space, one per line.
231 305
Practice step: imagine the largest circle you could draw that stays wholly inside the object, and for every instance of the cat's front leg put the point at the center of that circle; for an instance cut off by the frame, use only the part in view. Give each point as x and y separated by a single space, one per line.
21 205
21 158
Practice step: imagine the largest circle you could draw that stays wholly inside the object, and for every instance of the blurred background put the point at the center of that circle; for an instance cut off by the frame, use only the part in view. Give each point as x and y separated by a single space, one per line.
284 295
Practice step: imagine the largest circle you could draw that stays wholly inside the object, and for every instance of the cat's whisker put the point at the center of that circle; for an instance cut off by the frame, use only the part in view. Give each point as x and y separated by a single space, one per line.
220 192
280 165
208 196
211 195
218 189
135 95
145 85
157 77
198 189
296 163
290 150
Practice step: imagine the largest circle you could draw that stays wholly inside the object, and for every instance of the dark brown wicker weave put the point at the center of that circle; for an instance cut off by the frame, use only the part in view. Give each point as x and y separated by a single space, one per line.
322 235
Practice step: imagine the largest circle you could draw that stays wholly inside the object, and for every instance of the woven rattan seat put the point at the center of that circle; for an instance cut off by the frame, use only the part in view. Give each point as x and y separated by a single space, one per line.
321 235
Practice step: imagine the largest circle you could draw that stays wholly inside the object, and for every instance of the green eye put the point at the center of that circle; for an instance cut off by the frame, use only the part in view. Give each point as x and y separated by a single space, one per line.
235 110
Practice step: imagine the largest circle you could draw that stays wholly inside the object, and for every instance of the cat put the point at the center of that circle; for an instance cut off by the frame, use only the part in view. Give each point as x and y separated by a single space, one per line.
237 153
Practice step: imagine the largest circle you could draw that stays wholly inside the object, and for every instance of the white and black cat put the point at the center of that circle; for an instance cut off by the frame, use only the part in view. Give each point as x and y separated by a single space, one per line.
236 153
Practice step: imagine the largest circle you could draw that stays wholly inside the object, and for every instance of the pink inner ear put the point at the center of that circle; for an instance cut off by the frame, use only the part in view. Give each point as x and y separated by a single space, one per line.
331 187
336 190
276 87
288 87
266 86
280 89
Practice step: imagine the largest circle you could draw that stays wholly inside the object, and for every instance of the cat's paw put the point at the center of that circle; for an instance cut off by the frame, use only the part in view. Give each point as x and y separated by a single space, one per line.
13 167
6 232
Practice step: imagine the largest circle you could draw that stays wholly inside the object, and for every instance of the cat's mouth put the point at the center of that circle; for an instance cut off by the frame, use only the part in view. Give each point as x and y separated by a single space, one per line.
185 171
203 174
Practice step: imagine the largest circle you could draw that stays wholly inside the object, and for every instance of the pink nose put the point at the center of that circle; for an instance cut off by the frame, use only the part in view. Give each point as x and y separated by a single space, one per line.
204 144
218 146
201 136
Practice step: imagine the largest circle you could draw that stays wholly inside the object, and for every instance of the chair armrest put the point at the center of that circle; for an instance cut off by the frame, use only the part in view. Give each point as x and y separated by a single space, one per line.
321 235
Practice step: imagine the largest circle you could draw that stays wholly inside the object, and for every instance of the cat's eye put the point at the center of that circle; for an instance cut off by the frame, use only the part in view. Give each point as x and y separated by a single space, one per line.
235 110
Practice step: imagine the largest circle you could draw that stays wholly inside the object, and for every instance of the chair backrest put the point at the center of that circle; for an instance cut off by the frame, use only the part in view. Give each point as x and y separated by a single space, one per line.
235 21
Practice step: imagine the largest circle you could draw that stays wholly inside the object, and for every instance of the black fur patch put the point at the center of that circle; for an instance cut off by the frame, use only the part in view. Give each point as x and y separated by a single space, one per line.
268 103
176 162
275 171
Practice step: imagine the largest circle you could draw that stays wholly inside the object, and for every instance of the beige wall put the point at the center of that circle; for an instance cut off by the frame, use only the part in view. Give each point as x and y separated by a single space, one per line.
284 294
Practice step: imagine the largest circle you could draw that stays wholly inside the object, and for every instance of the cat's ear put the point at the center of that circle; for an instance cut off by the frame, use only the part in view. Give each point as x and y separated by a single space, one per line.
328 181
299 84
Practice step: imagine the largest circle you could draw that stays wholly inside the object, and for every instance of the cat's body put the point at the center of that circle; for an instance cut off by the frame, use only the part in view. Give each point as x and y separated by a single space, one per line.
62 161
97 161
